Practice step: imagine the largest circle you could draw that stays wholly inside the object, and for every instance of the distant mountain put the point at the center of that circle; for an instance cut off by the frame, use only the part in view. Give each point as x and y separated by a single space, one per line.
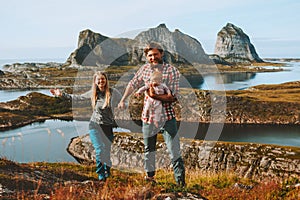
182 47
232 46
95 49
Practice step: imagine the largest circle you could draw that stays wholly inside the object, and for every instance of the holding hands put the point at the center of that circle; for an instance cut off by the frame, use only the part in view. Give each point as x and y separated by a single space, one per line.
56 92
121 105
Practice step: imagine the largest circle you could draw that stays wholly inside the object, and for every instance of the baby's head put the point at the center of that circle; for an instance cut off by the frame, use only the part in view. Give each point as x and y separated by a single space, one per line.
156 78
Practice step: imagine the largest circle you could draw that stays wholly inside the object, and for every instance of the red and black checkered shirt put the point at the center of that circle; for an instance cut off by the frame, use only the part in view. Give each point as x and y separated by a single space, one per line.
170 78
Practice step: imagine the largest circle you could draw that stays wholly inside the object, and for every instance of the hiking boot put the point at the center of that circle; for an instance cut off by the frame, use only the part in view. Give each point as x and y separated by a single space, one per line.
107 174
180 183
101 177
150 179
107 171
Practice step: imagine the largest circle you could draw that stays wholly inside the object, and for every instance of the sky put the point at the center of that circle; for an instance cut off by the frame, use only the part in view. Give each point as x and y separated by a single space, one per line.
49 29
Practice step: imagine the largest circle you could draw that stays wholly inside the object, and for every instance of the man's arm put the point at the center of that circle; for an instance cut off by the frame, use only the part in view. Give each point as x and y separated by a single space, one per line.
161 97
127 92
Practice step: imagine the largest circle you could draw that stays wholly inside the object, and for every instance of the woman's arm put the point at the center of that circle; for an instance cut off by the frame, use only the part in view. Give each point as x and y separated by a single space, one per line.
77 97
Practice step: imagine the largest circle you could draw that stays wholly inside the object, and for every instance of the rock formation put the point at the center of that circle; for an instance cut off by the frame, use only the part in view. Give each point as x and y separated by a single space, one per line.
247 160
180 47
234 46
95 49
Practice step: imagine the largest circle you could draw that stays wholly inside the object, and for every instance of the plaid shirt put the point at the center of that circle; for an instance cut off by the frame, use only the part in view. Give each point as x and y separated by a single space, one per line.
170 78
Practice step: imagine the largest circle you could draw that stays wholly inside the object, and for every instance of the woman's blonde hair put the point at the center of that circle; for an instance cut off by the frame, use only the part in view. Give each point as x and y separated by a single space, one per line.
95 90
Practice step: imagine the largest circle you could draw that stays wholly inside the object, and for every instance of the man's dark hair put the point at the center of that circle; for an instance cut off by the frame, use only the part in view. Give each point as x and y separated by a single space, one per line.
153 45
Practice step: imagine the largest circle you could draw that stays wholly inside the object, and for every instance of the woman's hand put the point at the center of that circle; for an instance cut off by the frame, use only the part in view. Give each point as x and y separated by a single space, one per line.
56 92
121 105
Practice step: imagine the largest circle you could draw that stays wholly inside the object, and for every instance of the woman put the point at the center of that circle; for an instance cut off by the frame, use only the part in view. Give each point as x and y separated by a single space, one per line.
103 100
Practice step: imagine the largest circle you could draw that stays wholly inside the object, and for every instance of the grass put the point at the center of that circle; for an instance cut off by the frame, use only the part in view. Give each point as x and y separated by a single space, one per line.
73 181
285 92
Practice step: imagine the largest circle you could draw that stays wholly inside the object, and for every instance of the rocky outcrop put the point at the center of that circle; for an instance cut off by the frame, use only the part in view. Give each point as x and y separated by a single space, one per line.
30 67
257 105
218 60
181 48
234 46
33 107
247 160
274 104
36 76
95 49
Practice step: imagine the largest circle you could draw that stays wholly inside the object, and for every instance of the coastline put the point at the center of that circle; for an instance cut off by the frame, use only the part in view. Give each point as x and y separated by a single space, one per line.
265 104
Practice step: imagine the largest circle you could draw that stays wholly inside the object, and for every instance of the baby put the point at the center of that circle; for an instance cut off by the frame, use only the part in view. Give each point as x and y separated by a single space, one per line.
153 107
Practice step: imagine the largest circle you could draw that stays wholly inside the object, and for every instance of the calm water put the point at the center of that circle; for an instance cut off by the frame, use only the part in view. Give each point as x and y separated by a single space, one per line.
48 141
285 135
227 81
8 95
238 81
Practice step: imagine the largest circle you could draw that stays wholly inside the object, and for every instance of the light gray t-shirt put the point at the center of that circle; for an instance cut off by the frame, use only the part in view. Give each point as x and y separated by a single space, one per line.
100 115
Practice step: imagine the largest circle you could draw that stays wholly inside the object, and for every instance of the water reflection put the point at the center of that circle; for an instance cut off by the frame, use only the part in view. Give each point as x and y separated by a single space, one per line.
42 141
236 76
243 80
285 135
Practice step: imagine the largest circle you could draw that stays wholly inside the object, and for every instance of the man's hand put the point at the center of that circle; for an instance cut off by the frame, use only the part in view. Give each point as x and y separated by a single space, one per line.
56 92
161 97
152 91
137 94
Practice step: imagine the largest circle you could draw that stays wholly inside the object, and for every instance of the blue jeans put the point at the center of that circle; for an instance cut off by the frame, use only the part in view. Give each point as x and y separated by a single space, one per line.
102 137
171 138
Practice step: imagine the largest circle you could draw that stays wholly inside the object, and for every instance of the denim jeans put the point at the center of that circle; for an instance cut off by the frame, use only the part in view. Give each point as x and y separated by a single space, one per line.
102 137
171 138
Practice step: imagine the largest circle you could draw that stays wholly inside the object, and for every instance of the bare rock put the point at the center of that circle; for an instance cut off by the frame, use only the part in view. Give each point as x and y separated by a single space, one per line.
234 46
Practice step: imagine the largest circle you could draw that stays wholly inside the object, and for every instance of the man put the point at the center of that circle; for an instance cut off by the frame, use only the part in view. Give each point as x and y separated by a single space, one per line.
168 127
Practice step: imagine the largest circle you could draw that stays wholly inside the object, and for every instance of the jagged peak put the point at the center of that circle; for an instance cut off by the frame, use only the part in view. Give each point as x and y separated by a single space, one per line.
90 32
87 31
232 27
162 26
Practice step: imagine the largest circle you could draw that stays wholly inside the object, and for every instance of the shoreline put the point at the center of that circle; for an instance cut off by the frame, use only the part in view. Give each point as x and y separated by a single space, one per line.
263 104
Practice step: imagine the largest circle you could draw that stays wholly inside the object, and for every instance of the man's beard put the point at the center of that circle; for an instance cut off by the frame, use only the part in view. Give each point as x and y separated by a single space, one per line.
160 62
